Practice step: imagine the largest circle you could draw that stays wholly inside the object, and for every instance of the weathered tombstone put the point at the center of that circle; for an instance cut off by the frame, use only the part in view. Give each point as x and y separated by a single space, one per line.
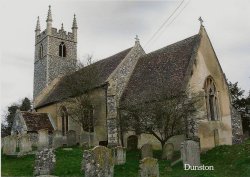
71 138
10 144
146 151
43 139
216 137
149 167
190 153
132 142
84 138
57 139
25 144
45 162
168 151
119 155
98 162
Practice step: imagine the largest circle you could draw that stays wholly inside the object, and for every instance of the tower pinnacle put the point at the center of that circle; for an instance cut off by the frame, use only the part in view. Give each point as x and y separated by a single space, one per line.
137 41
74 25
38 29
49 17
62 27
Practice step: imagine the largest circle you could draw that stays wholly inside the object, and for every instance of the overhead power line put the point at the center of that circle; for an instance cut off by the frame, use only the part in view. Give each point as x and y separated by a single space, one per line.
172 20
164 23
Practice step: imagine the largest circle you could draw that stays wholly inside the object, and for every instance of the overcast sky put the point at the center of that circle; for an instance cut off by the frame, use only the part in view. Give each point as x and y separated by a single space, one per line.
107 27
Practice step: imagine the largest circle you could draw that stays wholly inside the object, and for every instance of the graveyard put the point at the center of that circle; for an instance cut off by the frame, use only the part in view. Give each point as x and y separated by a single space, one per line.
230 161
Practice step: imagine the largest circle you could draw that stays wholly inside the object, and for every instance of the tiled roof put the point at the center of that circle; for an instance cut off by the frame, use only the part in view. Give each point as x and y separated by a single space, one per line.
165 68
37 121
98 73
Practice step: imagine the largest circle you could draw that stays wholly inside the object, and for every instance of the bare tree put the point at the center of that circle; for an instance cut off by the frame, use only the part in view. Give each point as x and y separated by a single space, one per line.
166 114
79 105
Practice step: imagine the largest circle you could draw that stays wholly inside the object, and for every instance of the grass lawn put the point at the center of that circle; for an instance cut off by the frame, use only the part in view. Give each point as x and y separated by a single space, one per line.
228 161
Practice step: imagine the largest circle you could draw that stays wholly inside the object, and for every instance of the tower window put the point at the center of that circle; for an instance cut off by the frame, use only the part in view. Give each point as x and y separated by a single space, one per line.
62 50
211 100
41 51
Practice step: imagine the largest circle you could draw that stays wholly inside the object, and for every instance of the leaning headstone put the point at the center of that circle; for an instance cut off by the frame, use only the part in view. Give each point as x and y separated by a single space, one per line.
10 144
25 144
57 140
119 155
146 151
190 153
168 151
98 162
149 167
43 139
45 162
71 138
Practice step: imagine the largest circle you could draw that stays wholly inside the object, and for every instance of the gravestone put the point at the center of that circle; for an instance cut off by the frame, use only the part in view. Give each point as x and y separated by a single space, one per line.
71 138
119 155
84 138
10 144
43 139
132 142
98 162
168 151
45 162
190 153
149 167
25 144
57 140
216 137
146 151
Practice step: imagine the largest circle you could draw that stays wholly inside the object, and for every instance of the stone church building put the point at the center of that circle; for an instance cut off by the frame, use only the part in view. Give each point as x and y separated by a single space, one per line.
190 63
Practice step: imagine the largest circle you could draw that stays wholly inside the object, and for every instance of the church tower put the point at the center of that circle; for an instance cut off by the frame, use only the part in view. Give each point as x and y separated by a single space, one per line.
55 53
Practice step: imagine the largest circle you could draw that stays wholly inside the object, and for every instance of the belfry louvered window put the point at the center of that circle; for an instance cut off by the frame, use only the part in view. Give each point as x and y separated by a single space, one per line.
62 50
211 99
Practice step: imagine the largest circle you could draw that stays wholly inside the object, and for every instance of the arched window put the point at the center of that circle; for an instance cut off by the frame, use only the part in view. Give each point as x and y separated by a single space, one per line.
41 51
211 99
64 120
62 50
